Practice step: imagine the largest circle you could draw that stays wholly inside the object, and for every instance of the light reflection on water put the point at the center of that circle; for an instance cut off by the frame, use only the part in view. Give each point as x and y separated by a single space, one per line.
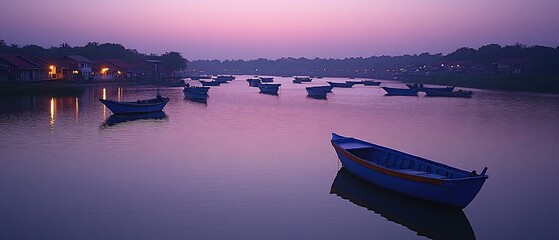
249 165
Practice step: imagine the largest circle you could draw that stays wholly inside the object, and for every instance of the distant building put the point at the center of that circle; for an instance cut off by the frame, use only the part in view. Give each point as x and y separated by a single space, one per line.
17 68
81 66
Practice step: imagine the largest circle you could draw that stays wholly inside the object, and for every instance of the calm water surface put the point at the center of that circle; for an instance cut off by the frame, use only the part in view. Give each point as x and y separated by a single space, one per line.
253 166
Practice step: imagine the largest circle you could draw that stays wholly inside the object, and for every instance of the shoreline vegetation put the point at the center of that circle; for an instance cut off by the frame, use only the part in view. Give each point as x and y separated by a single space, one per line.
533 83
511 68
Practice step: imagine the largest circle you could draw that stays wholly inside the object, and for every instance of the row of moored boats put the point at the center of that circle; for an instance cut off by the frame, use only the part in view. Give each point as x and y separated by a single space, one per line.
267 86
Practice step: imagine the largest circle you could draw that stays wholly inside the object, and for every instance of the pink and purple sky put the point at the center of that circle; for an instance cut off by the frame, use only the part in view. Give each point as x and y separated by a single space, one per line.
249 29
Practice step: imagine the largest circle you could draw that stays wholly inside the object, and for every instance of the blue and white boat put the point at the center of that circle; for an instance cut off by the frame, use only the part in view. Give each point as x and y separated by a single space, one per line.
400 91
341 85
140 106
408 174
269 88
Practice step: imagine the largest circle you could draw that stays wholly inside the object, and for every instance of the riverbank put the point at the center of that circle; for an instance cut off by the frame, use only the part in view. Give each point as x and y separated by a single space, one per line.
72 88
534 83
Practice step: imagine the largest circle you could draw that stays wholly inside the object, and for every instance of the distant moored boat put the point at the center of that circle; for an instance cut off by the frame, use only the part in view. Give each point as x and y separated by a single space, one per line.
341 85
459 93
400 91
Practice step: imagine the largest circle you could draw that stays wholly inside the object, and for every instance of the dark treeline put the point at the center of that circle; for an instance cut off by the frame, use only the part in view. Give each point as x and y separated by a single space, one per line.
515 67
93 50
541 60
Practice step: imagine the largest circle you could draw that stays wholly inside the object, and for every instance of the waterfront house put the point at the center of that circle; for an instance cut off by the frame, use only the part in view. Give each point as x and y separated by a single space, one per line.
16 68
80 66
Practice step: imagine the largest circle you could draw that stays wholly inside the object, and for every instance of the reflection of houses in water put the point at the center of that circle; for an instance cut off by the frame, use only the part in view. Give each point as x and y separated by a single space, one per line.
428 219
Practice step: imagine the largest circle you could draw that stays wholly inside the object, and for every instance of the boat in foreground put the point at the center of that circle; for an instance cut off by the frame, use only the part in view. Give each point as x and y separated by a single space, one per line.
140 106
400 91
429 219
408 174
459 93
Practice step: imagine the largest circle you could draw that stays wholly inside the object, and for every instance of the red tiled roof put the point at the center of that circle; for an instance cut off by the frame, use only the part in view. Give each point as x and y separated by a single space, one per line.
18 61
46 62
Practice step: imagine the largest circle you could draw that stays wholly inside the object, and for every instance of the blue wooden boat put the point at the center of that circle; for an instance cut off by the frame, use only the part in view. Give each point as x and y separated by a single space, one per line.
421 88
400 91
408 174
195 93
302 79
371 83
341 85
459 93
211 83
267 79
426 218
318 91
140 106
224 78
269 88
254 82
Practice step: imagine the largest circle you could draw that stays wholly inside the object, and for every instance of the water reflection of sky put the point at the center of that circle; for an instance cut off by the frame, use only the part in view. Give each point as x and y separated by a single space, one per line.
249 165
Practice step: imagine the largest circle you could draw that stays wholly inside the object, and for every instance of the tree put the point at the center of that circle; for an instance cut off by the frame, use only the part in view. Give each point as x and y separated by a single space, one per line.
173 61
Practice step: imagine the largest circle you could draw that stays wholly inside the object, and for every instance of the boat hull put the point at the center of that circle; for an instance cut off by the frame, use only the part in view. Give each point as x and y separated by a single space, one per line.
212 83
318 92
341 85
371 83
400 91
456 192
459 94
196 93
269 88
133 107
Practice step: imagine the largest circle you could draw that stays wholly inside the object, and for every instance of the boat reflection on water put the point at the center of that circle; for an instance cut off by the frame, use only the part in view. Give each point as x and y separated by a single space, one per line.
427 219
120 118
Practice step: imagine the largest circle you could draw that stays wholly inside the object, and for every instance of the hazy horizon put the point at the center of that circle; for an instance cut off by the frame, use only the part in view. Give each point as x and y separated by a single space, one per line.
217 29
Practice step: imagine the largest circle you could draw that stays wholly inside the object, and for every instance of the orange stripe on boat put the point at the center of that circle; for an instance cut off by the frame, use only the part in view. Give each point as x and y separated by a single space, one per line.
387 171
